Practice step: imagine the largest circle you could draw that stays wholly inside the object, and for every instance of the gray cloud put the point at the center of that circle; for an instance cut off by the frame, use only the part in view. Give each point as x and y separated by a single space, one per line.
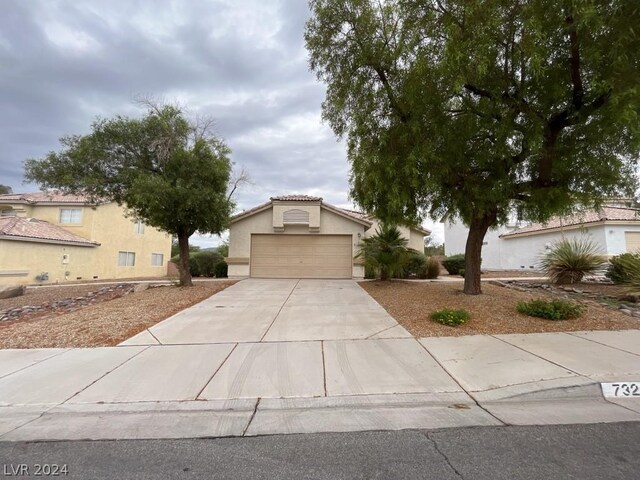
63 63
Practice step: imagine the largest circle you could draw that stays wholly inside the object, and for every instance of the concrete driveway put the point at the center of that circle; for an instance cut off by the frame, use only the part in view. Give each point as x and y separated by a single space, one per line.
277 311
295 356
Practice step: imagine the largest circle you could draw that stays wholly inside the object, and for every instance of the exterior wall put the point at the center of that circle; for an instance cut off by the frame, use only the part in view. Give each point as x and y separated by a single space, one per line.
263 222
21 262
614 234
525 251
455 240
416 239
105 224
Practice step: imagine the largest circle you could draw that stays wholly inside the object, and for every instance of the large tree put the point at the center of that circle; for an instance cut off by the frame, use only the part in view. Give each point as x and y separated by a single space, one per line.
478 108
171 173
5 189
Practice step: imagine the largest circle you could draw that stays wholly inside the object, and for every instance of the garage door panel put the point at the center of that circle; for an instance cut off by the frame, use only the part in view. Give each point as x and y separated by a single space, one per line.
301 256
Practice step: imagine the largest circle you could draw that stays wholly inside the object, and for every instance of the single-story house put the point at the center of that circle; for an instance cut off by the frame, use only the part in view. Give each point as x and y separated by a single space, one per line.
49 237
301 236
614 229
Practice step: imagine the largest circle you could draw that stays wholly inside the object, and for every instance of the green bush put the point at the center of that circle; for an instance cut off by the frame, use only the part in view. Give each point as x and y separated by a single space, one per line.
550 309
569 261
461 272
450 317
432 268
206 262
221 269
369 272
415 266
620 267
454 264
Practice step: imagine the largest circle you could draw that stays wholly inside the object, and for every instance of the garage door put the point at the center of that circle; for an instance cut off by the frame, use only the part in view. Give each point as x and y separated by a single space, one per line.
301 256
633 241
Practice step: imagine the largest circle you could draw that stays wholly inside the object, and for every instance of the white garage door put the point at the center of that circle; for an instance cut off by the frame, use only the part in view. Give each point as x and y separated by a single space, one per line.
301 256
633 241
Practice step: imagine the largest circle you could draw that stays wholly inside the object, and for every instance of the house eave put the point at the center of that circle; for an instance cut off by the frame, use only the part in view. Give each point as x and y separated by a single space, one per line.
17 238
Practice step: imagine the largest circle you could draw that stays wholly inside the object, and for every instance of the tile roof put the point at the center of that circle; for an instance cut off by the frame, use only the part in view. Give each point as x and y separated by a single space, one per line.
22 228
44 197
589 216
297 198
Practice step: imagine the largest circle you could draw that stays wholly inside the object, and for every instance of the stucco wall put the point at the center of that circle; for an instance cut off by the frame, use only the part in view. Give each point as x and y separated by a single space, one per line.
416 239
615 238
105 224
21 262
263 222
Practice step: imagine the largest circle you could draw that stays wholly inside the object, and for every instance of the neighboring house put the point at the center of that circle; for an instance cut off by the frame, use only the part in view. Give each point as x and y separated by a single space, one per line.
614 229
51 238
299 236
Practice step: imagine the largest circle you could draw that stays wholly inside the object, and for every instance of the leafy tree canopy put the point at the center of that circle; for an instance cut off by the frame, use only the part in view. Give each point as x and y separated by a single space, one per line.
169 172
475 108
5 189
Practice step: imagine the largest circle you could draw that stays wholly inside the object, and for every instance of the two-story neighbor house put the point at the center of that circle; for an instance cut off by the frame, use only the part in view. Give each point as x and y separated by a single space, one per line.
300 236
52 238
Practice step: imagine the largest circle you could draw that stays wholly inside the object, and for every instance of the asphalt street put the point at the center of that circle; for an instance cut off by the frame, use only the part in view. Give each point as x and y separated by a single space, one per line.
595 451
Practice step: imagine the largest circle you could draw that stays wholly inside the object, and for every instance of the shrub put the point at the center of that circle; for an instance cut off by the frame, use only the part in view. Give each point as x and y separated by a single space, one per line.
454 264
432 268
385 252
620 267
569 261
221 269
461 272
369 272
550 309
450 317
205 262
415 266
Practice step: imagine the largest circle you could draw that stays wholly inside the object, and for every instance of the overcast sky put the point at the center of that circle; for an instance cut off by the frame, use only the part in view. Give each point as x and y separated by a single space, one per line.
63 63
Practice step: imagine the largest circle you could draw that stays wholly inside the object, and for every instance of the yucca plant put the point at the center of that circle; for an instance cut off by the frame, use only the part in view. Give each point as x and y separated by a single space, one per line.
386 252
569 261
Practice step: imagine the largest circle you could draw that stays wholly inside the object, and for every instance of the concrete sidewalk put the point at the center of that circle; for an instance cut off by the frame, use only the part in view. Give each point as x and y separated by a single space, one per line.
281 378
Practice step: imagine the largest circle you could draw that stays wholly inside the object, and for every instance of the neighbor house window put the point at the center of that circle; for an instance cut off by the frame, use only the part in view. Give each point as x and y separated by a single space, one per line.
126 259
70 215
157 259
138 227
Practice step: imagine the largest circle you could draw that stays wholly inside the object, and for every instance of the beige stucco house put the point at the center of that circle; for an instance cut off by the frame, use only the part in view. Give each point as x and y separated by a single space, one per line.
300 236
51 238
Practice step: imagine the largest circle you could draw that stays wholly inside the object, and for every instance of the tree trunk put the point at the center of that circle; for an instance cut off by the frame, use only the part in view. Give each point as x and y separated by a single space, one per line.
473 252
183 264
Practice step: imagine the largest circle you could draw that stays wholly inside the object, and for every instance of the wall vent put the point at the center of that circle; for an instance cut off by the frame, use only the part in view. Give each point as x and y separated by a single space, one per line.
295 216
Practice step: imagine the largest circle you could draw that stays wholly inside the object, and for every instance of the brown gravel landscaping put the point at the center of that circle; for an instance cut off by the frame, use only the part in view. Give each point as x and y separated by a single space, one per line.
103 324
493 312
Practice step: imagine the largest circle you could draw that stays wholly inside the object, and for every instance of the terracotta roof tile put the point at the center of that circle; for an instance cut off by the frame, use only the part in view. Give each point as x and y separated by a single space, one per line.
590 216
34 229
297 198
44 197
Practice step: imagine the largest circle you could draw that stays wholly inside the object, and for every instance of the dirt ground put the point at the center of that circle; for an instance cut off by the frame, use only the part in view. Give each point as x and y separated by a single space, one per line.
493 312
103 324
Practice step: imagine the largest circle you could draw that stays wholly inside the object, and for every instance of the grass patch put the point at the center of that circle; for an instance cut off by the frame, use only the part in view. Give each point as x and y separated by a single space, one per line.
450 317
550 309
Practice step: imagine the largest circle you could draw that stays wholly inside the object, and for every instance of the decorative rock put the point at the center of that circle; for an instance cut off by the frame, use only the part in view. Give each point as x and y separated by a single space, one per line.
625 311
140 287
10 291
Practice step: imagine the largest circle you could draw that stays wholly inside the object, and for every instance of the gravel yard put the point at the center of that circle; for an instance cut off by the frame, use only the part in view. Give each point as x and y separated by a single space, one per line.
411 304
103 324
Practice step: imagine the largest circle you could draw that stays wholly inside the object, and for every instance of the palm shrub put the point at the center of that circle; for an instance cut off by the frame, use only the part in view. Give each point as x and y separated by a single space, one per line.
569 261
432 268
386 252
